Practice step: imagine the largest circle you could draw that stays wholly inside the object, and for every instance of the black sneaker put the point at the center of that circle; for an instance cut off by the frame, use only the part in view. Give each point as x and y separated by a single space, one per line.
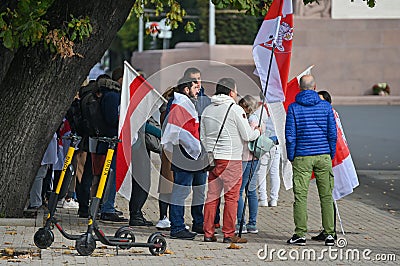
297 240
198 229
329 241
118 212
322 236
184 234
112 218
137 219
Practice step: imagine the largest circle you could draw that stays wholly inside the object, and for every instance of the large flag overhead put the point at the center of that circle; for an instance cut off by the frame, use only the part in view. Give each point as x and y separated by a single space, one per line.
182 126
275 31
139 100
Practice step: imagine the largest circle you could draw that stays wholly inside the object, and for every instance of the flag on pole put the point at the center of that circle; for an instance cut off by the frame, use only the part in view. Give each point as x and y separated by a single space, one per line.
276 30
139 100
344 172
182 127
293 87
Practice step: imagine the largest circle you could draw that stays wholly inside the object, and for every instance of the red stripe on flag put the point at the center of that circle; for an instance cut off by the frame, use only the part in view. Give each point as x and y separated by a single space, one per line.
291 91
274 10
180 117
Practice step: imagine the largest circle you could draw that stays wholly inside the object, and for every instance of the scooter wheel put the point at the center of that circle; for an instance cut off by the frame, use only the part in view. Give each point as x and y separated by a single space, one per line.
85 245
43 238
160 244
127 235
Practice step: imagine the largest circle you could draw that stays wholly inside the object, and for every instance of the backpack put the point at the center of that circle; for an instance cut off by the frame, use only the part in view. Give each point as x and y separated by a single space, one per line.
92 115
78 122
152 142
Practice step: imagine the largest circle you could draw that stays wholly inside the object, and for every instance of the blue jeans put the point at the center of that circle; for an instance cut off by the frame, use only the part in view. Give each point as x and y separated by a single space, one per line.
183 181
108 205
251 194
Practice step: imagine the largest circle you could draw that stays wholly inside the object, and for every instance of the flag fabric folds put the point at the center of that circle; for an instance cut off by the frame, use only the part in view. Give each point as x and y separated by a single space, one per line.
293 87
344 172
276 29
139 100
182 127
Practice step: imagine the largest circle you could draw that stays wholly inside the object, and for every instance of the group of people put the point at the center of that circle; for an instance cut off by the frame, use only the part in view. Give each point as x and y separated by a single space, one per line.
193 126
221 126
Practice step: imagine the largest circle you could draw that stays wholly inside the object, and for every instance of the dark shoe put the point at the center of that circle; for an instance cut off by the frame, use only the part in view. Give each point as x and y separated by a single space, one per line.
137 219
112 218
83 214
118 212
184 234
198 229
322 236
210 239
234 239
297 240
329 241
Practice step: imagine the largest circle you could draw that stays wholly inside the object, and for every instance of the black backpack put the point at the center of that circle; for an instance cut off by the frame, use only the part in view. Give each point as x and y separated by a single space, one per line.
79 123
93 116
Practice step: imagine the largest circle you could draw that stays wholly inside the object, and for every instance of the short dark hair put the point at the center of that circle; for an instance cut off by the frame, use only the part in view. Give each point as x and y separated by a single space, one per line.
327 97
117 73
225 86
185 82
189 71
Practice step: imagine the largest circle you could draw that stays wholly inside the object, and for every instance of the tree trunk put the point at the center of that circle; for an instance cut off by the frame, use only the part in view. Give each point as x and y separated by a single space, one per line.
36 89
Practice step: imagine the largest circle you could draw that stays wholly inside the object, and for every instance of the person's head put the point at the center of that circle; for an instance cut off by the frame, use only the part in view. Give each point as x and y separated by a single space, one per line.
307 82
193 73
249 104
324 95
226 86
117 75
188 87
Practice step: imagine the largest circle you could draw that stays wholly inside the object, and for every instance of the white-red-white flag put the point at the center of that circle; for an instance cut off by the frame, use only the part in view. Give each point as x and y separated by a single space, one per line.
139 100
182 126
276 30
344 172
293 87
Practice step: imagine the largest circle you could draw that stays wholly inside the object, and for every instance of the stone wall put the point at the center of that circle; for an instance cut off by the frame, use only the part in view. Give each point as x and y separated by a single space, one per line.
349 55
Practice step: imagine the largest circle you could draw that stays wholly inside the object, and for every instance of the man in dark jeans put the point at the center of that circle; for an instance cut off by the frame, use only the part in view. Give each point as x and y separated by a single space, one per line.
188 172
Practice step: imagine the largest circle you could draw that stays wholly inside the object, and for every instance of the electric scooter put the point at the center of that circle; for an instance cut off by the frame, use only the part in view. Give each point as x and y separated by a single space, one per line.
124 238
44 237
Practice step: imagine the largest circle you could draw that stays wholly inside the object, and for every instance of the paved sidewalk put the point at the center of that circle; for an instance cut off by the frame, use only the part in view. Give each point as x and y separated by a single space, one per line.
366 228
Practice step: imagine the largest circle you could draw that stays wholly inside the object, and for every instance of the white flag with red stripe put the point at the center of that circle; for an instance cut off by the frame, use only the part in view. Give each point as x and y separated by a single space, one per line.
276 31
139 100
344 172
182 126
293 87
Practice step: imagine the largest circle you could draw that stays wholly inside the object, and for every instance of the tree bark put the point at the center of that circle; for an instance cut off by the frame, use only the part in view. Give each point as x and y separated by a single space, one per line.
36 89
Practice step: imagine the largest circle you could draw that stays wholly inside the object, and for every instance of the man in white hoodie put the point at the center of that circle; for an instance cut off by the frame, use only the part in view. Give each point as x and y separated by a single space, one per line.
227 151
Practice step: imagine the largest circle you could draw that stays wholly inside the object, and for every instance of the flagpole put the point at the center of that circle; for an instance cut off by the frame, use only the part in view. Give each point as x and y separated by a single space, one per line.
138 74
255 144
338 214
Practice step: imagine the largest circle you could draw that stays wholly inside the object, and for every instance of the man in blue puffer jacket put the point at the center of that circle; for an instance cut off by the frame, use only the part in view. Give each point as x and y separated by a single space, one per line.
311 144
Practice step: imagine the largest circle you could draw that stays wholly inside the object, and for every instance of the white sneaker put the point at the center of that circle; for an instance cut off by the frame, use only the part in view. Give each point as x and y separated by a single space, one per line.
60 203
262 203
164 224
273 203
70 204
